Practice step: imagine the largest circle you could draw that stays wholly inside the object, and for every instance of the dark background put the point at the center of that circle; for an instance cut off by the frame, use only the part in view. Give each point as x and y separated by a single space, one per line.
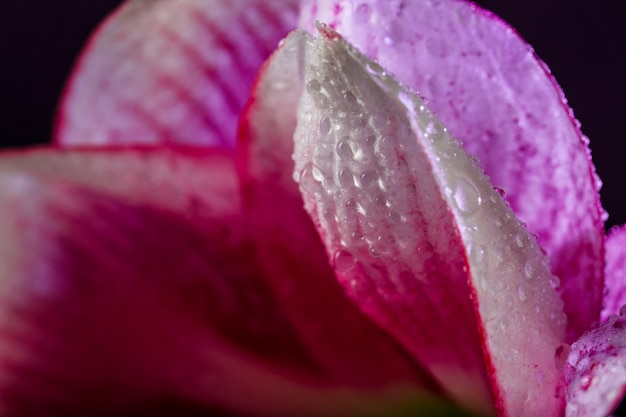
582 42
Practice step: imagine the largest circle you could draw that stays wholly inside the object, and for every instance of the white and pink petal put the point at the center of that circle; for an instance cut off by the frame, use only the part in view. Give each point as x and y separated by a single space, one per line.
487 86
175 71
596 370
419 236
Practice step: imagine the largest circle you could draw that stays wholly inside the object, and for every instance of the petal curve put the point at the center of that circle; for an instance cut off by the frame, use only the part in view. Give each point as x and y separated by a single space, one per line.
493 93
290 251
417 232
174 71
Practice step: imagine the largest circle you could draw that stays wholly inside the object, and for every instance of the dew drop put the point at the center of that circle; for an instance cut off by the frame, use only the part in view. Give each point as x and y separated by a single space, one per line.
313 87
344 150
350 98
352 204
310 177
519 240
374 68
368 179
521 292
345 177
325 126
554 281
466 196
344 260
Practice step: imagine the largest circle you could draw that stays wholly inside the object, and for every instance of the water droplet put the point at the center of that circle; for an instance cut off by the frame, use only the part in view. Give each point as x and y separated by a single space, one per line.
554 281
325 126
344 260
466 196
345 177
350 98
310 177
368 179
352 204
519 240
313 87
521 292
374 68
367 142
344 150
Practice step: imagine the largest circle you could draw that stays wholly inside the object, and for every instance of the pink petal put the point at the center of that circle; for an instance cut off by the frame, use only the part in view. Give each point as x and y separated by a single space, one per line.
615 272
340 338
130 292
596 372
417 233
492 92
175 71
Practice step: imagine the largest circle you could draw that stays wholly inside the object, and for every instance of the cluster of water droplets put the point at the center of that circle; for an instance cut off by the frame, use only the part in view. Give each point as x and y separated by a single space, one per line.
366 150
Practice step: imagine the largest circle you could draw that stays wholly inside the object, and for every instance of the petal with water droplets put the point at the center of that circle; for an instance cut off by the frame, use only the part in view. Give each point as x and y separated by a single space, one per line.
290 250
436 256
596 371
493 93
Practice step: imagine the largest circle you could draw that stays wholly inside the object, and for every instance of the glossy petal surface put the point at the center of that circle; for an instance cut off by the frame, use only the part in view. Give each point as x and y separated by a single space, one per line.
492 92
416 233
175 71
615 273
338 335
596 372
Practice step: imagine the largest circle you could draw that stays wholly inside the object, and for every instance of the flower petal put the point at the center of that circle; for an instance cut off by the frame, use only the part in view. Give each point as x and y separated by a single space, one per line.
290 250
492 92
417 233
171 71
127 300
596 371
615 272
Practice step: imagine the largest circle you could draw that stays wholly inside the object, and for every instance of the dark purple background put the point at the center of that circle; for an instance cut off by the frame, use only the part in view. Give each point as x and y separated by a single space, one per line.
584 43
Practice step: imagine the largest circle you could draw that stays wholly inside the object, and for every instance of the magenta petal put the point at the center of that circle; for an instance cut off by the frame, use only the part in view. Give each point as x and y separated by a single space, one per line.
492 92
615 272
174 71
596 372
341 339
126 282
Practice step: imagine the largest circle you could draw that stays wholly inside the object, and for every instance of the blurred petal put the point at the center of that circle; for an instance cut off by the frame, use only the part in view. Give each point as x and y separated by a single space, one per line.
493 93
174 71
615 272
417 233
596 372
337 334
129 288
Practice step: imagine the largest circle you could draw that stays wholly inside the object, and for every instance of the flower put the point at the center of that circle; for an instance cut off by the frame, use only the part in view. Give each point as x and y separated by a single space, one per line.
148 266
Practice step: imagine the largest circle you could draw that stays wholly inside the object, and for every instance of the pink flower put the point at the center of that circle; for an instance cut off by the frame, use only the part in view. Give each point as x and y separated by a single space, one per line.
321 246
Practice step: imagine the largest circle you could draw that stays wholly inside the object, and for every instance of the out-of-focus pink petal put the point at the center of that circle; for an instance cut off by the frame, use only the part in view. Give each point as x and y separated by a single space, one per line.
174 71
615 272
492 92
421 241
596 371
341 338
131 292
